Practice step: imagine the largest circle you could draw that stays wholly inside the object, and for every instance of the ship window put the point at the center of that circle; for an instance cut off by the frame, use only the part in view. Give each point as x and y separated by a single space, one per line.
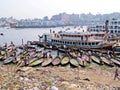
111 31
115 27
97 43
89 43
82 43
93 43
85 43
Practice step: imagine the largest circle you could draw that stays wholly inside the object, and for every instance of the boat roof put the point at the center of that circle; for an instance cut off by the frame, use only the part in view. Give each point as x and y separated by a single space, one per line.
76 32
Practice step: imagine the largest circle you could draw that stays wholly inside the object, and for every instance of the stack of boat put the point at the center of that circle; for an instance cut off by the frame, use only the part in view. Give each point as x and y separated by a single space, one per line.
35 58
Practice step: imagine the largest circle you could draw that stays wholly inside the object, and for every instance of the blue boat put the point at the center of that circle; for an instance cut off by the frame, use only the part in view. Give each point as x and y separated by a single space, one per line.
8 60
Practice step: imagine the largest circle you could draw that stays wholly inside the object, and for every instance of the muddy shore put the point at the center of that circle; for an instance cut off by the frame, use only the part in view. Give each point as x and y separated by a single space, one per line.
63 78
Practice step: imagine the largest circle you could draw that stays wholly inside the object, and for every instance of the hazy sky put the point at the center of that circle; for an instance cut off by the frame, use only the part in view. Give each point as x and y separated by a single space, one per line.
40 8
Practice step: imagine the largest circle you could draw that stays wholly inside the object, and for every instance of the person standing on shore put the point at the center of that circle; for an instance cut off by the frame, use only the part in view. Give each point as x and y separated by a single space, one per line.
116 76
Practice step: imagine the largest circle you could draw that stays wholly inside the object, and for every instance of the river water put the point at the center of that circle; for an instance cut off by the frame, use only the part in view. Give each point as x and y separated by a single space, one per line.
27 34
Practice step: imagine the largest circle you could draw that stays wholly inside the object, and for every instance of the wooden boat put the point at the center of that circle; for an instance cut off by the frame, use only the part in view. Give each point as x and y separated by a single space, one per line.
40 55
117 52
63 50
81 62
2 52
73 55
32 60
74 62
8 60
46 62
96 59
117 58
1 57
21 63
115 61
106 61
65 60
36 63
56 60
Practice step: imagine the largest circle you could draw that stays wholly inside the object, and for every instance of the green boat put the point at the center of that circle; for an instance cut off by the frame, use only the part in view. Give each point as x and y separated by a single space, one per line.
74 62
36 63
65 60
56 61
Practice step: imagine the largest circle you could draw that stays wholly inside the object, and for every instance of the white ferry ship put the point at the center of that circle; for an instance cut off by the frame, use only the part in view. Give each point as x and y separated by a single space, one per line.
78 38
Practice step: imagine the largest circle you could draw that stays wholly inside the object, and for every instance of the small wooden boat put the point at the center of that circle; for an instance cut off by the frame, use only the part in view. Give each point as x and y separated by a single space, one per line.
65 60
32 60
74 62
106 61
96 59
36 63
116 62
40 55
46 62
73 55
81 62
117 58
1 58
21 63
8 60
63 50
117 52
56 61
2 53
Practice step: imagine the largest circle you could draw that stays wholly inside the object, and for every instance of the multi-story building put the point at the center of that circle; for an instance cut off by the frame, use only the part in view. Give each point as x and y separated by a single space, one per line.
113 26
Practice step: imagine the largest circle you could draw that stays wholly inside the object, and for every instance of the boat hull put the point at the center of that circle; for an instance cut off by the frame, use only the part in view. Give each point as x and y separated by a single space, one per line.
56 61
65 60
46 62
74 62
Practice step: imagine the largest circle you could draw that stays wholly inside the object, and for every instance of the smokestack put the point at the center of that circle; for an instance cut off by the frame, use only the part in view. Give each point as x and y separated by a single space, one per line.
106 25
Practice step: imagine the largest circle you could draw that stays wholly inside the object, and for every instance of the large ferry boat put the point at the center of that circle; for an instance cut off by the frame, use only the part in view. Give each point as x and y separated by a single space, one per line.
80 37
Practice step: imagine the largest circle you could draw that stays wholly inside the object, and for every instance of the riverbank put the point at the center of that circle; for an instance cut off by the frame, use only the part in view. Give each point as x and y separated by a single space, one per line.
63 78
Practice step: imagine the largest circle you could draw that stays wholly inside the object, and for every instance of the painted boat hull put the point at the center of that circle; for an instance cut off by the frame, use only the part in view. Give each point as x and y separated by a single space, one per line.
116 62
36 63
46 62
96 59
8 60
74 62
56 61
65 60
106 61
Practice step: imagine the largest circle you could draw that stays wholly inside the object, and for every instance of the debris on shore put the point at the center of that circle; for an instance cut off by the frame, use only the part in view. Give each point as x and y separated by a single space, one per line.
56 78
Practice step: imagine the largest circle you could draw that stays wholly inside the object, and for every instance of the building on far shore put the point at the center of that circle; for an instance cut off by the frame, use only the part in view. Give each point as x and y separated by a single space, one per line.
113 26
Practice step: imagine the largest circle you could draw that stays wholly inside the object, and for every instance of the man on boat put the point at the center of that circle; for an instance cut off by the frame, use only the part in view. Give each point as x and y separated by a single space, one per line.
116 76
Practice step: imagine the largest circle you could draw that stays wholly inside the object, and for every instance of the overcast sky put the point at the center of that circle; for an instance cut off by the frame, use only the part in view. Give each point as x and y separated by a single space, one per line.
40 8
